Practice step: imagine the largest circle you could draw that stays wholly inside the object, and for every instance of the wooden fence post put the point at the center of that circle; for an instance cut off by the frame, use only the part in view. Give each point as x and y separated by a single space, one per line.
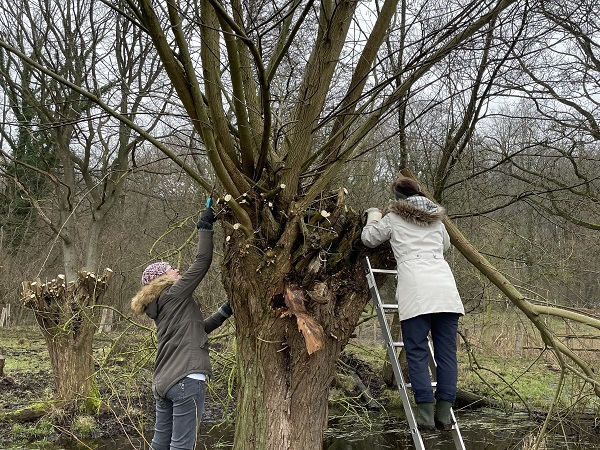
106 321
5 316
518 341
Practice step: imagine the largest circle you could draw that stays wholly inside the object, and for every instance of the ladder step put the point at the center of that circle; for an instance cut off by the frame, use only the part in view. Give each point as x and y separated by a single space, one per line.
433 384
389 306
388 271
398 344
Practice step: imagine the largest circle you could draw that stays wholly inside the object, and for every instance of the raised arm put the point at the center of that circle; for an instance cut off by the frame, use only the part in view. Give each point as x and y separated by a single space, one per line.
189 281
377 230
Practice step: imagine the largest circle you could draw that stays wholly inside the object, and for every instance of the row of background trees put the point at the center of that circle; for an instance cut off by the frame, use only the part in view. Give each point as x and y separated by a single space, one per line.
112 137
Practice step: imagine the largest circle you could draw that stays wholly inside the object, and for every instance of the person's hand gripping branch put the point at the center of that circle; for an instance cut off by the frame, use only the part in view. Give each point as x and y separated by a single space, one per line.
207 219
372 214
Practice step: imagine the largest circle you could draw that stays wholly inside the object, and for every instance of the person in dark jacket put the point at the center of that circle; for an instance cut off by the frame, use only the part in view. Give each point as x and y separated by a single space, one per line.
182 361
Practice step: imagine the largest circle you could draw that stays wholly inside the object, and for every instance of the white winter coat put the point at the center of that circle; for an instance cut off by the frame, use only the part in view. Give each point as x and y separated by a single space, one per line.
418 238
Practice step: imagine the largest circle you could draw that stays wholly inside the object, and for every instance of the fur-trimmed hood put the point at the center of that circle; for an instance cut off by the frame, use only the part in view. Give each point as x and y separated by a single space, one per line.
417 210
150 293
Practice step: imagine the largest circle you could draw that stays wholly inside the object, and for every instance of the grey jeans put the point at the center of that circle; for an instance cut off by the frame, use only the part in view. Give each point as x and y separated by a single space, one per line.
178 416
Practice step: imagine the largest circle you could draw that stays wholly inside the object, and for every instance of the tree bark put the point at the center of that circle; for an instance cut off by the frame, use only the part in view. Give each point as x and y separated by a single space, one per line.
71 361
280 387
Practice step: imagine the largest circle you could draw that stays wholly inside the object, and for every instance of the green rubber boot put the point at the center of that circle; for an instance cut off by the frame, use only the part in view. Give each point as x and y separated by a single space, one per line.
425 420
443 416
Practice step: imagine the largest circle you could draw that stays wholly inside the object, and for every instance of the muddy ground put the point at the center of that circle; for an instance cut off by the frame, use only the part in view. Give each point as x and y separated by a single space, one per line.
124 373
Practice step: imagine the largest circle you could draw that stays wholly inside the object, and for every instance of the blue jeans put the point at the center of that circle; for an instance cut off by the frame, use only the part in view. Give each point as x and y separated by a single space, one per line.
178 416
443 327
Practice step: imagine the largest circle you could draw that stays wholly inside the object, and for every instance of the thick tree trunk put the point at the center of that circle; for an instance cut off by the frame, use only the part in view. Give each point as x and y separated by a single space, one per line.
294 313
283 391
72 361
65 315
282 401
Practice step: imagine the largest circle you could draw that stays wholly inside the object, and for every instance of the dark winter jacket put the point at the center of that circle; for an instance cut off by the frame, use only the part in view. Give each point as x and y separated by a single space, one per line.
180 327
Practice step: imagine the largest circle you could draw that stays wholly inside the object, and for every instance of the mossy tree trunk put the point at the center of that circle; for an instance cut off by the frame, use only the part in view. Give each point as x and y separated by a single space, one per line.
65 314
281 386
71 360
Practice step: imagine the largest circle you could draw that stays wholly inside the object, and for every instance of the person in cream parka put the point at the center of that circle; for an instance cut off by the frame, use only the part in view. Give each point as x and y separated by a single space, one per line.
428 300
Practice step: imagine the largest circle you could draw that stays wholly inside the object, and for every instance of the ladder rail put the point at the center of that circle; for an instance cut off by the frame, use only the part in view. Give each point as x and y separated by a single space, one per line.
392 356
391 347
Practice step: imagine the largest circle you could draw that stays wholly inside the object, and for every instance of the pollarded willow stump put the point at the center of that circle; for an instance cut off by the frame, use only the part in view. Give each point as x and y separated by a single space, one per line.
65 313
65 305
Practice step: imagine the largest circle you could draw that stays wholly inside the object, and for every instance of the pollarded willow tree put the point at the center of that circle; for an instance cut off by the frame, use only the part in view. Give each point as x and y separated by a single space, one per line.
282 95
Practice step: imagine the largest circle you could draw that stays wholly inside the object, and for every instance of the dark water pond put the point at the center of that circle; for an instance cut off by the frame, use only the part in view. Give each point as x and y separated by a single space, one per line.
481 430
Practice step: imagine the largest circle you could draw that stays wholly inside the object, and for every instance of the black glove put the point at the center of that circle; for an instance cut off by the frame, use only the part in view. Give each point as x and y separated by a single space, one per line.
225 309
206 220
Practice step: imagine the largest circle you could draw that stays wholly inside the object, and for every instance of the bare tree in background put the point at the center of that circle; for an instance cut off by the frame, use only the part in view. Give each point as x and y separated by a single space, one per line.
561 83
66 161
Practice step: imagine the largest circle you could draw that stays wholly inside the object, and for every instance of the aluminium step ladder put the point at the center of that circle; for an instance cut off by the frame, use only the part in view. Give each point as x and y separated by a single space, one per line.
392 347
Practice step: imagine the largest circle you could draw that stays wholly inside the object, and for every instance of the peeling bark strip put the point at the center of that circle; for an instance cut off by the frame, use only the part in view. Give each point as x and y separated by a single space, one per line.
308 326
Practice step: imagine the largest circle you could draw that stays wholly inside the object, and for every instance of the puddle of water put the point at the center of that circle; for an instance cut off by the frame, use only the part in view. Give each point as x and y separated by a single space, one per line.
481 430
